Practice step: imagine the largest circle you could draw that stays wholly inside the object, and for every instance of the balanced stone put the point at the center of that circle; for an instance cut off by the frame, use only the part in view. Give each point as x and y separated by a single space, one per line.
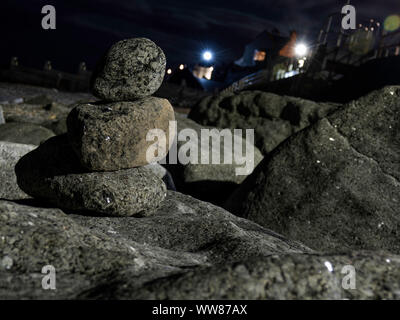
52 172
131 69
112 136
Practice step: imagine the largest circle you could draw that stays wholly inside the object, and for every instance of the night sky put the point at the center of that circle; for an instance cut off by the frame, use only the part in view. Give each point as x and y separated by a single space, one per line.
182 28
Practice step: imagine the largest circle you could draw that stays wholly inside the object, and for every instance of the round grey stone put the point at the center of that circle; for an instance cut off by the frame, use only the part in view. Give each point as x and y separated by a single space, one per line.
113 136
52 172
131 69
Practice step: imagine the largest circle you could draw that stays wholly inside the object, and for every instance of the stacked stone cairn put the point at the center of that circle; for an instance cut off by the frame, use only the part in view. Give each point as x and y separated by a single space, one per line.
101 164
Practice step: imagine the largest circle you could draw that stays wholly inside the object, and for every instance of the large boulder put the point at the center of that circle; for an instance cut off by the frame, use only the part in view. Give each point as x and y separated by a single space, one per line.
358 275
212 182
10 153
334 185
52 172
25 133
187 250
184 224
33 237
95 257
131 69
113 136
274 118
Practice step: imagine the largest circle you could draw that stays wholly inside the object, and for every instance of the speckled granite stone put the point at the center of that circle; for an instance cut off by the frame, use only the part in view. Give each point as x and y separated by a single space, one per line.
112 136
53 172
131 69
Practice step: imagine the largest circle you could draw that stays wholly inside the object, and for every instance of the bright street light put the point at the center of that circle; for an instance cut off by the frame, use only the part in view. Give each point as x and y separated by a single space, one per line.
300 49
207 55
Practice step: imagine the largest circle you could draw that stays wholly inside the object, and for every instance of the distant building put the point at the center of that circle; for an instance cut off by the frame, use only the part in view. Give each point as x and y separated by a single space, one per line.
266 47
201 72
269 50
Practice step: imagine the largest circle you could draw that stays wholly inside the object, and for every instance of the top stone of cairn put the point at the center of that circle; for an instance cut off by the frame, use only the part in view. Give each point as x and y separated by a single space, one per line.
131 69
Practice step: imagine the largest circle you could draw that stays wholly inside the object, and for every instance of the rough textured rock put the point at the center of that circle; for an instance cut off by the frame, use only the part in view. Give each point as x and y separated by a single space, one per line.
24 133
336 184
210 182
33 237
274 118
112 136
132 68
187 250
53 172
52 116
96 257
218 172
294 276
184 224
10 153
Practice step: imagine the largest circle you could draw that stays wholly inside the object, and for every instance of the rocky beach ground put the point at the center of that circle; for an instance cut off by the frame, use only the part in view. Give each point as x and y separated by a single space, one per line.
76 194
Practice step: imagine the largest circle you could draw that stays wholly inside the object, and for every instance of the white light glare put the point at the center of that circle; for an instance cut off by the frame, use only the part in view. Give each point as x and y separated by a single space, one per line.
300 50
207 55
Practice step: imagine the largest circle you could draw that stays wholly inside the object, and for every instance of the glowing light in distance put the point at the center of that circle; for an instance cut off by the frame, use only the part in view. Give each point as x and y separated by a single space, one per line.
392 23
300 49
169 71
181 67
207 55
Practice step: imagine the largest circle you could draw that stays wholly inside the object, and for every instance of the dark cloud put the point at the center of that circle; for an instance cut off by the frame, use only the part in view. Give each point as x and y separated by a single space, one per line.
86 28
